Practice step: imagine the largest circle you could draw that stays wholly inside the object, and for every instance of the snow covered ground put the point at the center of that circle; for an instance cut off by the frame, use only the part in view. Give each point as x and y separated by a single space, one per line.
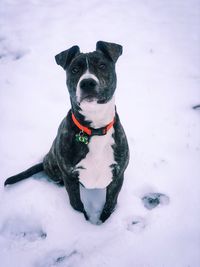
158 84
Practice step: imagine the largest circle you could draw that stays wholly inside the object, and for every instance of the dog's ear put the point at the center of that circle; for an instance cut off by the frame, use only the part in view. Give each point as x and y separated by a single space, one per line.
111 50
64 58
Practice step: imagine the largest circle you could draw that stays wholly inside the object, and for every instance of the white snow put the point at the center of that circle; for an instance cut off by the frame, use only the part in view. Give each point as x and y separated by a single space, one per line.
93 201
158 83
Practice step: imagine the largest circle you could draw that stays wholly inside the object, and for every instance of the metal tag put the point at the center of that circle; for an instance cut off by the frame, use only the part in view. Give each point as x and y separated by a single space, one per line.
81 137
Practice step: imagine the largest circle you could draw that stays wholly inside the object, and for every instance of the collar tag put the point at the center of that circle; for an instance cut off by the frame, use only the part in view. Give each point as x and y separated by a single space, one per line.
81 137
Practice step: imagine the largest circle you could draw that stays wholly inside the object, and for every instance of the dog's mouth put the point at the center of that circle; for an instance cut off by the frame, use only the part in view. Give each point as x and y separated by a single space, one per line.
89 98
93 97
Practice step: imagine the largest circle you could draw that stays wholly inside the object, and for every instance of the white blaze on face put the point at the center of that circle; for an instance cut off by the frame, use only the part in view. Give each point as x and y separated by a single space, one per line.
86 75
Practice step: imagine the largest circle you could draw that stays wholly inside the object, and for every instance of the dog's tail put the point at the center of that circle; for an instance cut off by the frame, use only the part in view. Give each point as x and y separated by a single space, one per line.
24 175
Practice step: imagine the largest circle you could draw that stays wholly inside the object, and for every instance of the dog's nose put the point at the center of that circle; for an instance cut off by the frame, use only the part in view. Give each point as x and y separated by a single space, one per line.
88 85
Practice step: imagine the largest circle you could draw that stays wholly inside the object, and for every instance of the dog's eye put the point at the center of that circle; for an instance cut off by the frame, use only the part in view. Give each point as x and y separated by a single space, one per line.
75 70
102 66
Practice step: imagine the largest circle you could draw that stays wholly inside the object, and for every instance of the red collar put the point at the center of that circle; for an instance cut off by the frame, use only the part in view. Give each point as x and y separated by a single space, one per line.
92 131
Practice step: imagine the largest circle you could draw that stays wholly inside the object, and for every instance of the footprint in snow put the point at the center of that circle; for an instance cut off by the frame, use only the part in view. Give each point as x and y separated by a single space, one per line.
16 55
152 200
137 224
59 258
17 228
197 107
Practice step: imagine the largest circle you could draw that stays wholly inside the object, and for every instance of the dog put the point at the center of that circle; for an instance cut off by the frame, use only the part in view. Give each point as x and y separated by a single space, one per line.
90 150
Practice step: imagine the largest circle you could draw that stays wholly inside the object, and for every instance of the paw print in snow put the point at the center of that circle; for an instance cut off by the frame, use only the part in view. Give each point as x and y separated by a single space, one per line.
152 200
137 224
18 228
59 258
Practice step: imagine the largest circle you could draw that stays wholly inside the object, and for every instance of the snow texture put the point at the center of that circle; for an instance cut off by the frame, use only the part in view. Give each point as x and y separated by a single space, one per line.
158 100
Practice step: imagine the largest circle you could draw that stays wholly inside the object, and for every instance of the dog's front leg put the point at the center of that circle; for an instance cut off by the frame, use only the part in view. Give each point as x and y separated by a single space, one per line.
73 190
111 197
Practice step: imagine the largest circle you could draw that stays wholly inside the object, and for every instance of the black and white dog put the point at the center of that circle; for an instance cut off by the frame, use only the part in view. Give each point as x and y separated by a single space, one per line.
90 150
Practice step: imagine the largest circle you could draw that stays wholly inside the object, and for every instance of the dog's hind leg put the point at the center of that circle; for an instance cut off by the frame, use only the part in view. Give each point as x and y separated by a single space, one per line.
24 175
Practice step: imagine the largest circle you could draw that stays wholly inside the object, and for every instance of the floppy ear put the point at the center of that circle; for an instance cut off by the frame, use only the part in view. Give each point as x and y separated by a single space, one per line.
111 50
64 58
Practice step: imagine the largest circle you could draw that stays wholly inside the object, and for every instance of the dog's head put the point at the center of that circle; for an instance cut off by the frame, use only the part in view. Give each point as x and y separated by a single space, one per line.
90 76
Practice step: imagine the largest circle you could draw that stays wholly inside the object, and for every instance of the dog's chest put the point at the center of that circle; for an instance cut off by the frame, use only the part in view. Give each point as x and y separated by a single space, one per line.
95 169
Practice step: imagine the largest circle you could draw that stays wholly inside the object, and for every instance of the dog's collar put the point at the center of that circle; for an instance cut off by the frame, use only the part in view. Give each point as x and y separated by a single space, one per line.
92 131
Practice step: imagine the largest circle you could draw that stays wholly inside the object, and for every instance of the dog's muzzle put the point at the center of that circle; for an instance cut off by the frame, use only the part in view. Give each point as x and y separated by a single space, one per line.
89 89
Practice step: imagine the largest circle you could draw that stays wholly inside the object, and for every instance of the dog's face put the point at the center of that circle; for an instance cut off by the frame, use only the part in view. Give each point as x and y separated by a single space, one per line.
91 77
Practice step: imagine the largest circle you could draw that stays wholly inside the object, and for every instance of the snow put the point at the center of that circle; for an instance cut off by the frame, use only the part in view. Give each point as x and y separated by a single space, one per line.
158 84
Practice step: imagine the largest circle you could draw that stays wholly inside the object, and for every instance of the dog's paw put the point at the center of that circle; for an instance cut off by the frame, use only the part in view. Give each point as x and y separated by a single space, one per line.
136 224
152 200
17 228
105 215
59 258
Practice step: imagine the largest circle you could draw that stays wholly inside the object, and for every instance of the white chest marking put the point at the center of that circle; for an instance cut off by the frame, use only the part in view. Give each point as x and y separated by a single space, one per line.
95 171
99 114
